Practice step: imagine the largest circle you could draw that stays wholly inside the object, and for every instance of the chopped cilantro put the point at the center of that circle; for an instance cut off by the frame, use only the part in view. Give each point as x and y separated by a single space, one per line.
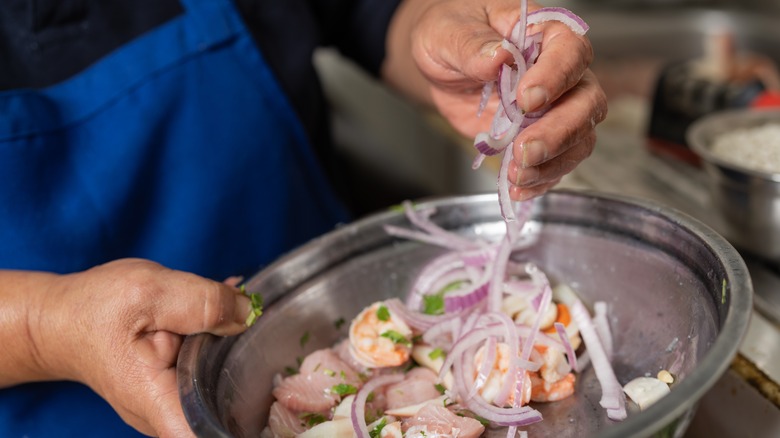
397 208
370 397
455 285
436 353
433 304
396 337
339 322
376 432
313 419
256 301
329 373
304 339
469 414
439 387
343 389
290 370
383 314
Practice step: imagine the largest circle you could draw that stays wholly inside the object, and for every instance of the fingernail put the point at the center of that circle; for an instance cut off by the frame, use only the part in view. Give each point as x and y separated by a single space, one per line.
533 98
534 153
526 176
491 49
233 280
244 313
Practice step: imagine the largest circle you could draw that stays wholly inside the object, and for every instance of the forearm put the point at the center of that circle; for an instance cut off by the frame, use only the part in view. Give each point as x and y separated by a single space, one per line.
22 326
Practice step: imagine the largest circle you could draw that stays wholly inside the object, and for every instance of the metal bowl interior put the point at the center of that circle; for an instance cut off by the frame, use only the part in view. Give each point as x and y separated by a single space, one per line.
748 200
680 298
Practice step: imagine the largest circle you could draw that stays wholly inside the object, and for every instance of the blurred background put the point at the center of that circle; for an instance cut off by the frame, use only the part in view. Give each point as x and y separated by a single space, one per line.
663 65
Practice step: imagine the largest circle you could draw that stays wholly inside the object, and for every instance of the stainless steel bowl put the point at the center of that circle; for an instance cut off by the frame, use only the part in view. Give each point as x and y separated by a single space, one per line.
748 200
681 296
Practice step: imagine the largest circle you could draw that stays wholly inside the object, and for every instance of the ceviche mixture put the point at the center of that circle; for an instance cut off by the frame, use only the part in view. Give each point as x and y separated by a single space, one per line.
481 337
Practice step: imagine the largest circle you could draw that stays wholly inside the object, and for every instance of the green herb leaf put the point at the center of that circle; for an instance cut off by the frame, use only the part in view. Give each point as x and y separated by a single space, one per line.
304 339
338 323
290 370
396 337
383 314
439 387
376 432
256 301
469 414
455 285
436 353
433 304
343 389
313 419
329 373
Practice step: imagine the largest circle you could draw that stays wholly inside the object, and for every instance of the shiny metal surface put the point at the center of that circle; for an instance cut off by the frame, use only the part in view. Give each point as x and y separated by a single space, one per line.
748 200
662 271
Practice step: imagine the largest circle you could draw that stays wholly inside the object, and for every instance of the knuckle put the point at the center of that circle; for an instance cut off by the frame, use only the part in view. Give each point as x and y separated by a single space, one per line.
215 308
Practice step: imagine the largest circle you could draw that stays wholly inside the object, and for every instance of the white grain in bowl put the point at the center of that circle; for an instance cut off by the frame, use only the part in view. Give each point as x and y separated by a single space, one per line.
756 148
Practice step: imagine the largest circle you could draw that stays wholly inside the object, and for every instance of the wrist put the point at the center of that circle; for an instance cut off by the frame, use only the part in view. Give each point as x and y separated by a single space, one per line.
25 327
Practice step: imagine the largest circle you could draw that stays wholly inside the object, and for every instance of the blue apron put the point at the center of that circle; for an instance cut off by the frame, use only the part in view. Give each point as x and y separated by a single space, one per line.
179 147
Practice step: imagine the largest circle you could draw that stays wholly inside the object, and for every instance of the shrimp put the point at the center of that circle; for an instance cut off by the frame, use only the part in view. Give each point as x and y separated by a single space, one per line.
544 391
554 365
490 390
378 339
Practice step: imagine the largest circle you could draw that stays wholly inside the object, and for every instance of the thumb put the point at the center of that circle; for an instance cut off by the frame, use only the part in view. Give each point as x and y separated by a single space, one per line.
192 304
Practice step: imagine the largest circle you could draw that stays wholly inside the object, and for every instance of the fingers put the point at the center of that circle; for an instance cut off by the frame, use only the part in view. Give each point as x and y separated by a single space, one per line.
192 304
458 47
165 417
564 58
554 145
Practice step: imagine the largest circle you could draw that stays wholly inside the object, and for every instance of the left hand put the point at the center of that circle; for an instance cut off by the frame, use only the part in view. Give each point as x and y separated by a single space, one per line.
457 47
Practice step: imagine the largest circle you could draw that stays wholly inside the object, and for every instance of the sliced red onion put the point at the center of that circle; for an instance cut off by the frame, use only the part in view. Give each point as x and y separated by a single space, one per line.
512 339
487 90
601 324
422 221
486 367
488 145
417 321
500 416
514 50
612 397
495 293
478 161
473 295
504 201
507 84
358 411
525 51
565 16
429 275
418 236
570 356
451 327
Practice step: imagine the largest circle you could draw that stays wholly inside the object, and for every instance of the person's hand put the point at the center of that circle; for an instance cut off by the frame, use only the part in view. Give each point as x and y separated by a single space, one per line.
118 328
457 47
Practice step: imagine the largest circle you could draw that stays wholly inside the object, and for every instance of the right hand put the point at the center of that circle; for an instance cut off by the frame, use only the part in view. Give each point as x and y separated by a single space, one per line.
118 328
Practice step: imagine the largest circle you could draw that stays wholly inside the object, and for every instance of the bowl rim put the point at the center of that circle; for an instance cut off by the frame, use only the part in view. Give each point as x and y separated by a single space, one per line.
681 400
698 132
